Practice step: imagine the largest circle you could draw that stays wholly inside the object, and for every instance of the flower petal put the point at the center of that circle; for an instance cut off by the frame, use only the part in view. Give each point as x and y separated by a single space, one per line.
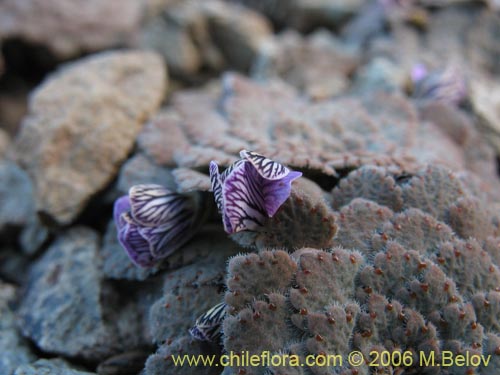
153 205
447 86
137 248
267 168
216 185
243 199
121 206
165 239
276 192
208 326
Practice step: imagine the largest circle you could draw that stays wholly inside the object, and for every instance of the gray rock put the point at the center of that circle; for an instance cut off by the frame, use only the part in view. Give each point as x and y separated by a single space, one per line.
175 43
67 308
141 170
307 14
54 366
82 123
16 192
4 140
14 348
33 235
14 265
239 33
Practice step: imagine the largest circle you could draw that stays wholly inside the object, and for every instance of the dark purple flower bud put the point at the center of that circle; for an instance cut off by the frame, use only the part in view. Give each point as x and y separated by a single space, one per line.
447 86
153 221
250 190
208 326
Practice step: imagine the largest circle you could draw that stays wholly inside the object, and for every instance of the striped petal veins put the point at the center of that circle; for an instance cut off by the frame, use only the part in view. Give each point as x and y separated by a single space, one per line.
153 221
250 190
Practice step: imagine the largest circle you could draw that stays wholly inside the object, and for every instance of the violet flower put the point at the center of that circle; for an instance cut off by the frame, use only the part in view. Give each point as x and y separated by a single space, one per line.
208 326
153 221
250 190
447 86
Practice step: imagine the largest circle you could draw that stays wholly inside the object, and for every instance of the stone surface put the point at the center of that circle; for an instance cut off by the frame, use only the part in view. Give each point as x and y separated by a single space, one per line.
54 366
4 143
82 123
68 310
485 98
14 348
69 28
16 192
237 32
139 169
212 35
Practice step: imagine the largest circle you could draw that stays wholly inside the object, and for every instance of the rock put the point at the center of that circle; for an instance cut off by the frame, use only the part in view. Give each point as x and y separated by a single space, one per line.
14 265
4 143
14 348
70 28
33 235
141 170
213 34
82 123
13 107
485 99
238 32
68 310
174 42
308 14
54 366
16 192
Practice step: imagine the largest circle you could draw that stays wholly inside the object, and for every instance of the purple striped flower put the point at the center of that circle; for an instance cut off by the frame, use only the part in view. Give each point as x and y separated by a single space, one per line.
153 221
250 190
208 326
446 86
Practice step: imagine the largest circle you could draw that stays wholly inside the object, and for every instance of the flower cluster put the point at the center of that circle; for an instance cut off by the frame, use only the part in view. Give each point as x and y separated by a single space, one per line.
153 221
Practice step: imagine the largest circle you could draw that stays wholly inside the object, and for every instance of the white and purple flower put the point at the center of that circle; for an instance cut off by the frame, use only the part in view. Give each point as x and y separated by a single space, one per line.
153 221
446 86
208 326
250 190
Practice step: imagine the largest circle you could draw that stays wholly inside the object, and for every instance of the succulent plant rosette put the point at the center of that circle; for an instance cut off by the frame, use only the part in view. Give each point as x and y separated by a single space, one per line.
317 228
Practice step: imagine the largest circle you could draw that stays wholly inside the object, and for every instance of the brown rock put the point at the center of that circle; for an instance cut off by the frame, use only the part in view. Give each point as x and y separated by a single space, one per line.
83 122
70 27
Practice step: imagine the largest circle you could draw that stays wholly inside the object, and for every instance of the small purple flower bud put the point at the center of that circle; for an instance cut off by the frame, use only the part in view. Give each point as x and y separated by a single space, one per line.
447 86
250 190
153 222
208 325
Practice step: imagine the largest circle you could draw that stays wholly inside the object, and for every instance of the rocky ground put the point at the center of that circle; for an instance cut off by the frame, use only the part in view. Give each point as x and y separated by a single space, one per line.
390 109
